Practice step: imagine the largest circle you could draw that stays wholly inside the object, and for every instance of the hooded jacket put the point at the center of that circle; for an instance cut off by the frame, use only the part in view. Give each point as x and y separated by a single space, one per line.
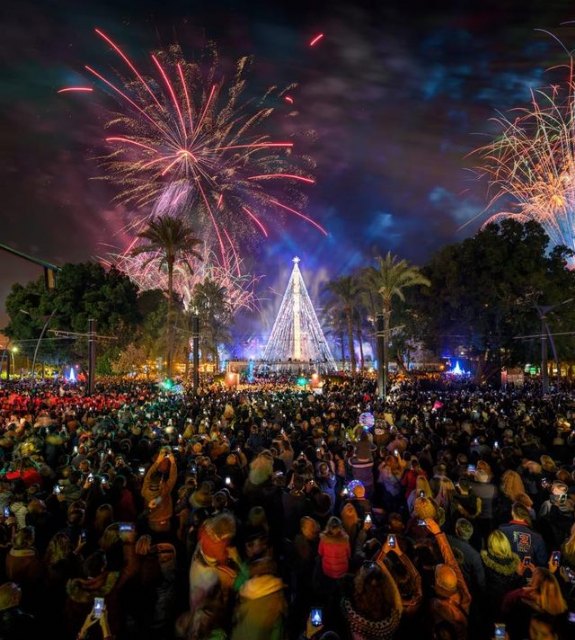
260 613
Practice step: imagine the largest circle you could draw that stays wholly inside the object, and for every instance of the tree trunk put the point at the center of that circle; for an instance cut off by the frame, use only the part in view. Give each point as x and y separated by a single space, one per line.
342 343
386 325
360 340
169 320
350 340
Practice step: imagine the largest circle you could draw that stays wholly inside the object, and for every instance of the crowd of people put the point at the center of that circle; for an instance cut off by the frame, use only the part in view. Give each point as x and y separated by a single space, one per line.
277 513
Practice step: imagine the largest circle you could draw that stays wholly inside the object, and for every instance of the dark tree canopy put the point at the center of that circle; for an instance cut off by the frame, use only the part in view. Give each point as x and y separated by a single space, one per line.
484 291
83 291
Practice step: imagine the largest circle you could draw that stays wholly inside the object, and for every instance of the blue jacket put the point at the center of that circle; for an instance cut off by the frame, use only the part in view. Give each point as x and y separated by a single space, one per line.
525 542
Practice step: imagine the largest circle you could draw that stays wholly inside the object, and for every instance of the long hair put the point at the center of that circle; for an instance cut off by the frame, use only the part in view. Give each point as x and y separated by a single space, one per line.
550 599
59 548
371 597
445 492
512 484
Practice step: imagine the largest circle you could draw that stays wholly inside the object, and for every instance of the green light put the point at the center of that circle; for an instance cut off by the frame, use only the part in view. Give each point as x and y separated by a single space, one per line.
301 382
167 384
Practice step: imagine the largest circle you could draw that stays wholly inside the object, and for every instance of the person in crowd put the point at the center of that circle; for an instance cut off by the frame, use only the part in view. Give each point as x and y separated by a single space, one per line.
15 623
542 595
525 542
373 608
503 571
261 609
24 566
157 487
471 565
487 492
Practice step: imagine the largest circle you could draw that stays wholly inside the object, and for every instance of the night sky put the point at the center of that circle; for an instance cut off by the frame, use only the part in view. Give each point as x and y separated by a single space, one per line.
389 104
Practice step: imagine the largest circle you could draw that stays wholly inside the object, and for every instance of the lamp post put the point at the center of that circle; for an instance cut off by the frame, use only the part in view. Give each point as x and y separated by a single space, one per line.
48 319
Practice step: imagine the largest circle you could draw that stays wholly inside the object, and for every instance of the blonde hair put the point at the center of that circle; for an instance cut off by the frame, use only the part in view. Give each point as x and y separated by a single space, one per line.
59 548
445 492
498 545
550 598
512 484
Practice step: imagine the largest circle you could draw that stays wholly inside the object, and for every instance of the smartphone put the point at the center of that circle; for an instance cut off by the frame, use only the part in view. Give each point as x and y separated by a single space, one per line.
471 468
421 523
496 445
90 477
83 536
556 557
527 560
6 512
571 617
422 494
500 630
126 526
391 540
98 607
316 617
142 471
368 519
228 480
57 489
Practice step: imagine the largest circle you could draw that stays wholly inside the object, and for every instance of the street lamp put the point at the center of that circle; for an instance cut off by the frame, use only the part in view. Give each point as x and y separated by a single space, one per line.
46 323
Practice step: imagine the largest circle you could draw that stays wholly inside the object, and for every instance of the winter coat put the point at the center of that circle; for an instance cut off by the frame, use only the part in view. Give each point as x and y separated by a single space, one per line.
500 578
24 567
335 553
525 542
260 612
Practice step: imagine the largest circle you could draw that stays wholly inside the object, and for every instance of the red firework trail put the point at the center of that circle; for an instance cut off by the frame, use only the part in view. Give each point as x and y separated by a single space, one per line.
78 89
316 39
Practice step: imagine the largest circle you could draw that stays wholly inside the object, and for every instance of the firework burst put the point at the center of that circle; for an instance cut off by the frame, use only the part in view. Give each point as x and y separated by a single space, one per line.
187 143
532 162
240 289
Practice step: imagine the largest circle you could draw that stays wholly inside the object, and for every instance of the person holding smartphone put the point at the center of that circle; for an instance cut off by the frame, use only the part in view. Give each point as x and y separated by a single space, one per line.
542 595
157 487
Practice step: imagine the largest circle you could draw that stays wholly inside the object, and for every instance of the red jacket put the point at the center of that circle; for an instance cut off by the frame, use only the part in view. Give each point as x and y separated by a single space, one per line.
335 553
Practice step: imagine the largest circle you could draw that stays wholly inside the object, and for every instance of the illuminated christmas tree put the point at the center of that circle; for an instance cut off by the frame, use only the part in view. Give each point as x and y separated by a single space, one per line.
297 335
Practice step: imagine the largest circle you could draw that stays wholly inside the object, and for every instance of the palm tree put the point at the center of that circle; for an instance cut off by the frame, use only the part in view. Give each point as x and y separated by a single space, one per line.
169 240
210 300
345 294
388 281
